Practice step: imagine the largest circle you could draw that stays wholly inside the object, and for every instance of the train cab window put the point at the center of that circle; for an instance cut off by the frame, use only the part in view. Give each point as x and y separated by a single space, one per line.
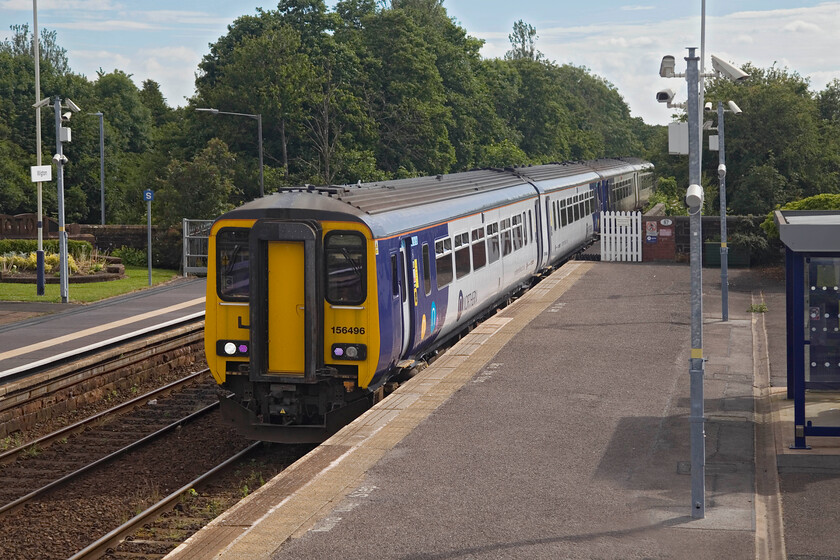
443 262
344 255
462 255
232 264
427 273
479 249
493 248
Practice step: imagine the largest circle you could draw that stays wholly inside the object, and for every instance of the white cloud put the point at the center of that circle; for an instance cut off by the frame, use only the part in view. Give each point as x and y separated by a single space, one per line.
629 55
636 8
105 25
63 5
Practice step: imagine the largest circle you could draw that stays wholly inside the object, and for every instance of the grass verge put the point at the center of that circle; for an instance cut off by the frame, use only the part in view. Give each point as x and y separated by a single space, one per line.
136 278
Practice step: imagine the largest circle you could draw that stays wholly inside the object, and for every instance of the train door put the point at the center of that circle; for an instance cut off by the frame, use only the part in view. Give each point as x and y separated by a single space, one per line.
406 293
286 300
286 308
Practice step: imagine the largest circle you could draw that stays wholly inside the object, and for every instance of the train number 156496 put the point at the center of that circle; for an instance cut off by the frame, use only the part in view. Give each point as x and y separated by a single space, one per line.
348 330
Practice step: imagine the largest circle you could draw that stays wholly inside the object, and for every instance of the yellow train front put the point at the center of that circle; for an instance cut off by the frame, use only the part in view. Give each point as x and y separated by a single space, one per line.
288 332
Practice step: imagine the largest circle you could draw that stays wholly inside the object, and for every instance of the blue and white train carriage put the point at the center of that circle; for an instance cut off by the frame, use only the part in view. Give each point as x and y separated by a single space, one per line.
317 296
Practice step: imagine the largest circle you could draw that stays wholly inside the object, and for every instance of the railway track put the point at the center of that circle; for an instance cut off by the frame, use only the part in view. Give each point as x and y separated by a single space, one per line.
66 491
68 385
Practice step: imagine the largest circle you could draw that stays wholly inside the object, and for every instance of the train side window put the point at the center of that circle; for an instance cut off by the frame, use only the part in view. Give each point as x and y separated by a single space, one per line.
530 227
232 264
493 252
443 262
507 245
577 211
557 210
427 272
563 216
517 232
395 279
479 249
462 255
344 256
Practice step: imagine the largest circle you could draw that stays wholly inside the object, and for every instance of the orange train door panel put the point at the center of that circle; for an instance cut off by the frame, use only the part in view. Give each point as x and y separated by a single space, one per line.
286 308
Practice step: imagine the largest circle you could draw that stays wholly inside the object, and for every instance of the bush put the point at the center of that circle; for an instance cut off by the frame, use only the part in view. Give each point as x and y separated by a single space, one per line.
131 256
818 202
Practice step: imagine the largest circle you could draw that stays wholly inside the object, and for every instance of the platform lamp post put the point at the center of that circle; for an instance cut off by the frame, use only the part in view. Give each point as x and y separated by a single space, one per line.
40 278
258 118
724 248
101 165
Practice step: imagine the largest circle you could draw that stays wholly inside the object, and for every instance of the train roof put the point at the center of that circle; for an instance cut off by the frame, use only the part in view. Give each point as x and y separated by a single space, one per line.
399 205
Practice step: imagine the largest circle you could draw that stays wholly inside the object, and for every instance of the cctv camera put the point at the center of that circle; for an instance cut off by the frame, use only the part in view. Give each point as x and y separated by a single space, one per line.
43 103
666 67
732 72
60 159
66 116
72 106
694 196
708 106
665 95
734 108
722 170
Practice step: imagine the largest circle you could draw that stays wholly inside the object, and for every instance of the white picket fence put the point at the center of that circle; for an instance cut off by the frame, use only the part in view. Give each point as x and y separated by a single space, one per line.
621 236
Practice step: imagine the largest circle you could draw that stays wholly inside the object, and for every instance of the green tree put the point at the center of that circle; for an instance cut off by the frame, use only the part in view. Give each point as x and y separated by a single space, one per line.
198 189
523 42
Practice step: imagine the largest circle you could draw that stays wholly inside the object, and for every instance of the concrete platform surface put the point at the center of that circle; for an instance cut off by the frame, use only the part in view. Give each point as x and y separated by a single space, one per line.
559 429
37 331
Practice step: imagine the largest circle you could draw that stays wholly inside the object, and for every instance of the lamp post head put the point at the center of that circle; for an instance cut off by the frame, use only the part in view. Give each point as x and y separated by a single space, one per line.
207 110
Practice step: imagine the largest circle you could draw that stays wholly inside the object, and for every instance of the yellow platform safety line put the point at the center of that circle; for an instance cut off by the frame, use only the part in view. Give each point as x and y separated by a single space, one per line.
697 353
98 329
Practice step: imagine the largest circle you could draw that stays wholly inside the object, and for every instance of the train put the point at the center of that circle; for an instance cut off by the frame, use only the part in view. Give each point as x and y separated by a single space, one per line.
318 296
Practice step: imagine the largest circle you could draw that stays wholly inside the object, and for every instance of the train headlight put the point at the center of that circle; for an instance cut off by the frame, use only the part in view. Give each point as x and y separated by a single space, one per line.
349 351
232 348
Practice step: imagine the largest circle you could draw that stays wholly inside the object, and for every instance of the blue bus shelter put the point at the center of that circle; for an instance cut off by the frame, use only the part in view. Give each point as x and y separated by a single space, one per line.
812 284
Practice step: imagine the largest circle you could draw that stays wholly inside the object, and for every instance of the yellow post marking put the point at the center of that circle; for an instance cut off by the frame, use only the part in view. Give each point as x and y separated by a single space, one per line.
98 329
697 353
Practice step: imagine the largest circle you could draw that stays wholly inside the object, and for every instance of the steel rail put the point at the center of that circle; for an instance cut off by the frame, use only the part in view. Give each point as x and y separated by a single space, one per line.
11 455
99 548
66 478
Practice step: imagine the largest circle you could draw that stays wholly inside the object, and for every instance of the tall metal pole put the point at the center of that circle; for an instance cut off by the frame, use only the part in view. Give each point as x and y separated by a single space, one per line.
702 93
724 248
149 236
259 133
62 234
40 280
101 165
696 365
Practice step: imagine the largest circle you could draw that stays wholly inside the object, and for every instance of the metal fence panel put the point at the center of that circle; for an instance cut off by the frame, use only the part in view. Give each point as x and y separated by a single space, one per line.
196 235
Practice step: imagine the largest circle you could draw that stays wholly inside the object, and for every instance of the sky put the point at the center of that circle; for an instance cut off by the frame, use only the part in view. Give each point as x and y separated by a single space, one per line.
622 41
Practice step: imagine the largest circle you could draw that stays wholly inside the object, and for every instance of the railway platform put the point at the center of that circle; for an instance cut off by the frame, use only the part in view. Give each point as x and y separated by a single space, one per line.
559 429
34 333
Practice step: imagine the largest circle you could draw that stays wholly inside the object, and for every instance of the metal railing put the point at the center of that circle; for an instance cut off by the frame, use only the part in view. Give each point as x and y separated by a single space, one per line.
196 234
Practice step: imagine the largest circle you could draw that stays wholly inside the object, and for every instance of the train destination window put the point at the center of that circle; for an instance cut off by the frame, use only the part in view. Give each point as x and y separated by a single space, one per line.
427 273
493 252
462 254
479 249
443 262
344 254
232 263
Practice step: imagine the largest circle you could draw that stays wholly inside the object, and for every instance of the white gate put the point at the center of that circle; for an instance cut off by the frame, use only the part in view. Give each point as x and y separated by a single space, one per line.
196 234
621 236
